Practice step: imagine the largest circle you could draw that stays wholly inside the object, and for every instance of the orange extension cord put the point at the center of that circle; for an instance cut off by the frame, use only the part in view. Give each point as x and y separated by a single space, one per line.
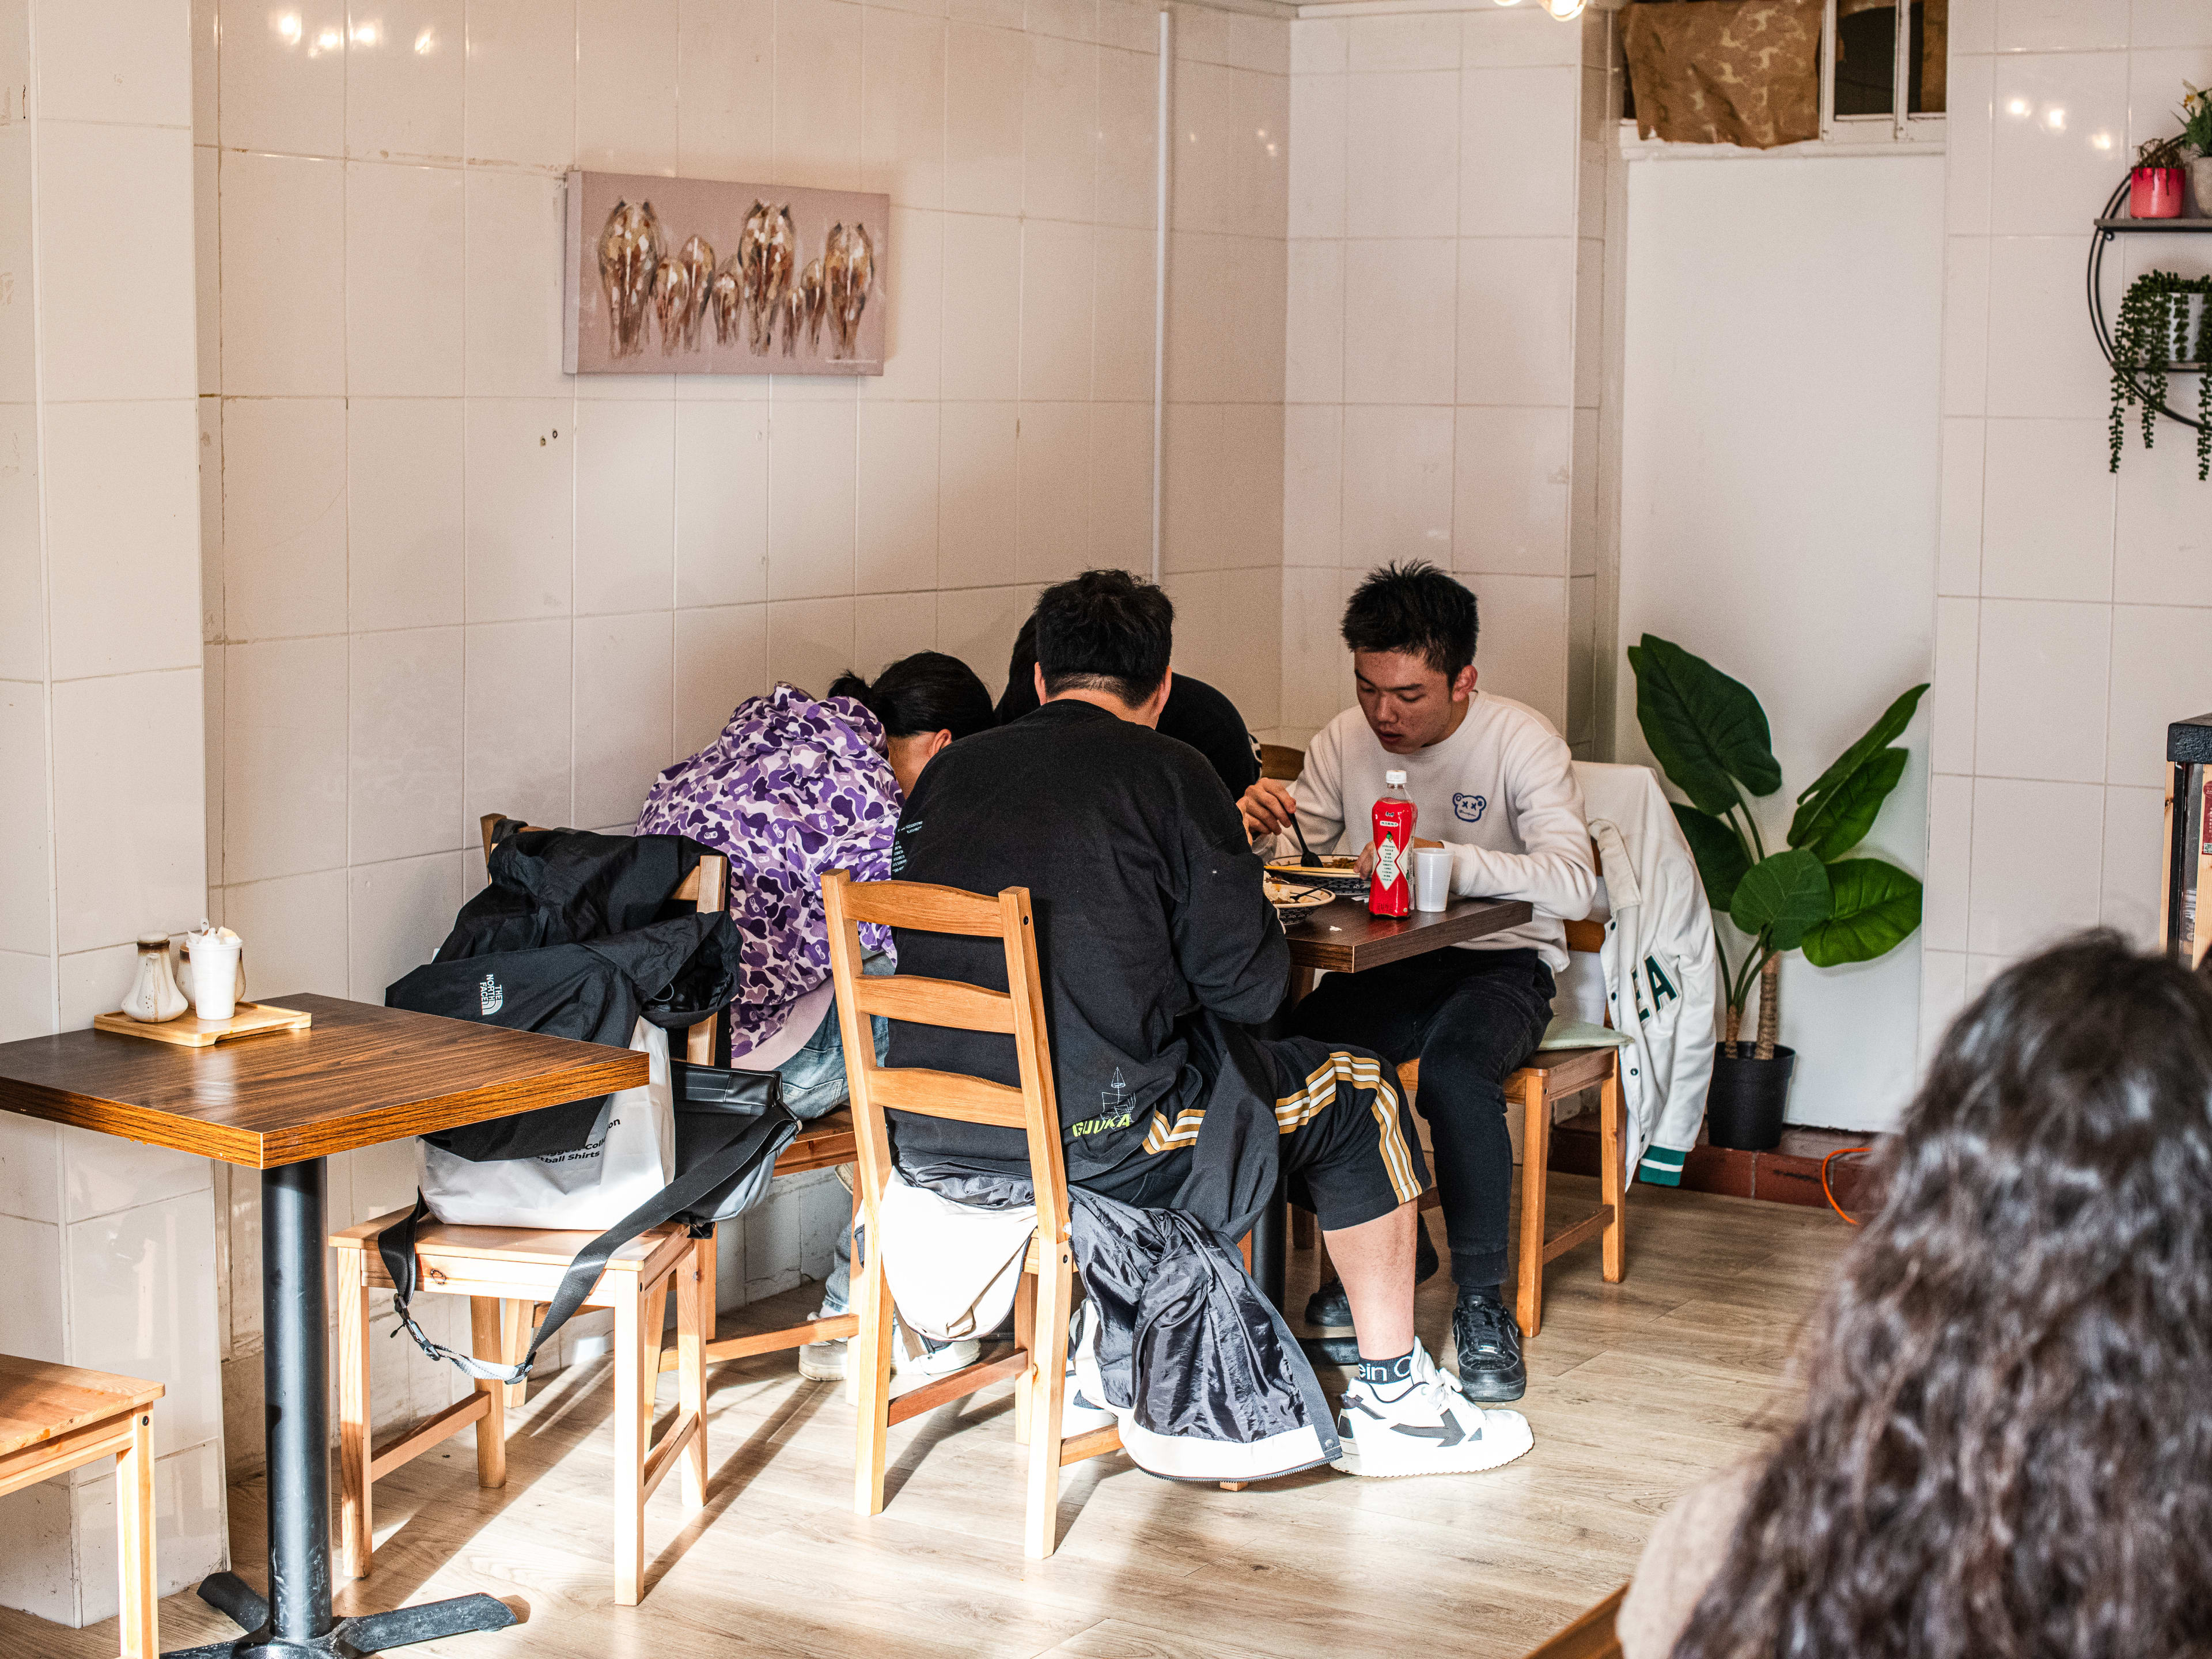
1827 1192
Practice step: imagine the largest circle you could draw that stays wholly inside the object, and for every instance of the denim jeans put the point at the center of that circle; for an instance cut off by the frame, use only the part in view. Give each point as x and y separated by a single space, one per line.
814 1086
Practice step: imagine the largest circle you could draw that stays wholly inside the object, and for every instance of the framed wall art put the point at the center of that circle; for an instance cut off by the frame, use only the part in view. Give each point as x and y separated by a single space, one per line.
705 276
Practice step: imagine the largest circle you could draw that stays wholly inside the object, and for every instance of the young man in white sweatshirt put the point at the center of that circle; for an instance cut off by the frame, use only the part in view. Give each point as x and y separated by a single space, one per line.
1493 781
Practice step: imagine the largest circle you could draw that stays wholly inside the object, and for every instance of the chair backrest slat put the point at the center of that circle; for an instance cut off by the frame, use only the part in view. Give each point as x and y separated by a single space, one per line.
921 906
937 1002
948 1095
1018 1010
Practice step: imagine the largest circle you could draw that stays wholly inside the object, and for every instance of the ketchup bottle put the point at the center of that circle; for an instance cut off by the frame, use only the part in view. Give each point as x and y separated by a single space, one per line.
1389 893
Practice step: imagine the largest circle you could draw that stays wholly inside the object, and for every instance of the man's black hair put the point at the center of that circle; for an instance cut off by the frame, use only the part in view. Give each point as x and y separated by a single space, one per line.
1105 631
1415 608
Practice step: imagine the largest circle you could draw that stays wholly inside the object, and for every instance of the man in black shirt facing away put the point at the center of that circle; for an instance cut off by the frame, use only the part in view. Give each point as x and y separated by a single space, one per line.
1150 912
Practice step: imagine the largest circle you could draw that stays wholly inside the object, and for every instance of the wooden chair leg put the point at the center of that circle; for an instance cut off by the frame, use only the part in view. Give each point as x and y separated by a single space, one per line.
630 1448
1025 1339
357 1546
486 1341
134 1517
1047 1360
868 1362
653 1315
695 1321
1612 1175
1536 1155
1304 1231
513 1342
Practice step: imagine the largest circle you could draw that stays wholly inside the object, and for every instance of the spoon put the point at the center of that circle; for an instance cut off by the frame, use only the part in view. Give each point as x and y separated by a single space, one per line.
1306 859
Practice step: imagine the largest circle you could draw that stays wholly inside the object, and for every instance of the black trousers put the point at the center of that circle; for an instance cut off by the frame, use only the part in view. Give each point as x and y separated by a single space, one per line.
1471 1017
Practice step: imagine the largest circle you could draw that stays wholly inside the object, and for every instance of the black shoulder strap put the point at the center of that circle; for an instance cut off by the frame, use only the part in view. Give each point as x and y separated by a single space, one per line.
396 1245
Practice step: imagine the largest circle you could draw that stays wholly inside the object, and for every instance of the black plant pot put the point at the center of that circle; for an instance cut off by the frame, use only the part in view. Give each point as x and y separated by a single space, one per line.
1743 1109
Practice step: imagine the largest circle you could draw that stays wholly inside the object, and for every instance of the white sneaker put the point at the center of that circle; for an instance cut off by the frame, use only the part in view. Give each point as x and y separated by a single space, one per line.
1431 1428
823 1362
910 1371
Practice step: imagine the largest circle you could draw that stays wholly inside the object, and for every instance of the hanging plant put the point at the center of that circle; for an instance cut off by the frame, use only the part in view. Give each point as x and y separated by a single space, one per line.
2152 338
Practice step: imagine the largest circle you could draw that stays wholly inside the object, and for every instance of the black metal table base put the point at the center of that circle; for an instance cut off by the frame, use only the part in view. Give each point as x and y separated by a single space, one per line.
346 1638
295 1621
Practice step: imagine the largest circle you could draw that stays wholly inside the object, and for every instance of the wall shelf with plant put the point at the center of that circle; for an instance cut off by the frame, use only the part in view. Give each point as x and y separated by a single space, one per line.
2165 323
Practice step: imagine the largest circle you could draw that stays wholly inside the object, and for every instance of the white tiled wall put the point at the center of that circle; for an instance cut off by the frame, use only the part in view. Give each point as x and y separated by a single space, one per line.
1447 223
2075 608
110 1247
445 579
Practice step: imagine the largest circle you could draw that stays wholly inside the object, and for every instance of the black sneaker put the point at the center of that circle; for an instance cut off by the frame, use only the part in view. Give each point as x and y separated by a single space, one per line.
1489 1342
1329 1310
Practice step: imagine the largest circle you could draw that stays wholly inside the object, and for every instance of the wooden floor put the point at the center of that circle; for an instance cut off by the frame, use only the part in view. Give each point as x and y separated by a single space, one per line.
1637 1391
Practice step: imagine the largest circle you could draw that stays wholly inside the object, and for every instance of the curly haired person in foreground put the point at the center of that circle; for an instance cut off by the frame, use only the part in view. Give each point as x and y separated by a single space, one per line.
2005 1448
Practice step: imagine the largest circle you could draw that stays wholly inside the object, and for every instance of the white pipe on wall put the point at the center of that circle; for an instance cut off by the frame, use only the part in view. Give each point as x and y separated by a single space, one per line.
1160 284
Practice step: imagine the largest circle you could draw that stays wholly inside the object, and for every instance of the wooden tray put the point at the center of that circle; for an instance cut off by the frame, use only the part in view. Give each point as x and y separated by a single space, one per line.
191 1031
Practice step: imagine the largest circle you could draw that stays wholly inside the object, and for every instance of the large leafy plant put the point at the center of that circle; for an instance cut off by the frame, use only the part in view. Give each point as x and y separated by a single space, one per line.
1710 738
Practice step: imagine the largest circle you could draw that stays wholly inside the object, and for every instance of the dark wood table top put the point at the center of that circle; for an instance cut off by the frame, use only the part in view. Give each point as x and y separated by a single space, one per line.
1342 937
359 1076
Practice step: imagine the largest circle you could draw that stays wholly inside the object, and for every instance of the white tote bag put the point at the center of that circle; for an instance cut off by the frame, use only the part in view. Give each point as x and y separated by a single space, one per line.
630 1157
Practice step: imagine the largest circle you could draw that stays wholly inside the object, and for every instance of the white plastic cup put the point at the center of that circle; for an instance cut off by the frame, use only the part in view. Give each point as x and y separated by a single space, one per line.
1432 878
212 968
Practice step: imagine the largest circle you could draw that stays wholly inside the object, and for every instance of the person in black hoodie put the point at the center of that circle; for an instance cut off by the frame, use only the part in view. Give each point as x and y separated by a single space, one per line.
1151 919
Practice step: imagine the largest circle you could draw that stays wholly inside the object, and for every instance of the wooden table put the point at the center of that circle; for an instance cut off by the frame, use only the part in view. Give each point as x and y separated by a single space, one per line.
1341 937
282 1103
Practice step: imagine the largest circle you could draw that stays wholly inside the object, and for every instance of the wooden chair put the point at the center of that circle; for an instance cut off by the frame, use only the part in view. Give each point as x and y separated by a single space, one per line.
1590 1636
1552 1075
54 1418
821 1144
1043 1301
1280 763
509 1275
503 1271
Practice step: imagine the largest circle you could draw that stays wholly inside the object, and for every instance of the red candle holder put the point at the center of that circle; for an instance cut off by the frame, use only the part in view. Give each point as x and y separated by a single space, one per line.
2154 192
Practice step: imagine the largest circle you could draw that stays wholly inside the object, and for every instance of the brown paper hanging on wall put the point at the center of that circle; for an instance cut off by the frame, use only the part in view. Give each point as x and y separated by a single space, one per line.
1725 71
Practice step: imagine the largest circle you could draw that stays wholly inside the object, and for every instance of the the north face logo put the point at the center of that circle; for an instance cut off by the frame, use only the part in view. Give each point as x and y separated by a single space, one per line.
490 997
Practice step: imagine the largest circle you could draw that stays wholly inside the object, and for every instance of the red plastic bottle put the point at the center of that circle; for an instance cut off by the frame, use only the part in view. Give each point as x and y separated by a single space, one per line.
1390 890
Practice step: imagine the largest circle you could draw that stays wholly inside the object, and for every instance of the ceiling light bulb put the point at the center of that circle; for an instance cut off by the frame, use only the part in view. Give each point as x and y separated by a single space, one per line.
1566 11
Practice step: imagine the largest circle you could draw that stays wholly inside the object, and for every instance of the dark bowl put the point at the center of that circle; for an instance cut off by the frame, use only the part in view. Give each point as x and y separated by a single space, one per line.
1339 874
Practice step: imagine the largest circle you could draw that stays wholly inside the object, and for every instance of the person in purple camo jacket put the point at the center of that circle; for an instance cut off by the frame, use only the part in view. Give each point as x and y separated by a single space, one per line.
794 787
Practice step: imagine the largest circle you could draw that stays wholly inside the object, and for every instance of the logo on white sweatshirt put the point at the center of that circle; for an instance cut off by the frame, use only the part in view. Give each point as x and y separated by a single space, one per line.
1470 808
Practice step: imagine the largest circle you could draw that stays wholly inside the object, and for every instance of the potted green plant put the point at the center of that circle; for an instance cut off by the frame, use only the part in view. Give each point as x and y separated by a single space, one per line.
2165 326
2197 139
1710 738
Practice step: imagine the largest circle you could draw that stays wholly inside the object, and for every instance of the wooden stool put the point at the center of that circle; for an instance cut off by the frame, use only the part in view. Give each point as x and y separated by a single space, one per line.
54 1418
504 1271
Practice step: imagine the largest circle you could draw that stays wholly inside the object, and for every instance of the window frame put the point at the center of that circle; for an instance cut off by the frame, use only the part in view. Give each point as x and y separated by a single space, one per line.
1897 133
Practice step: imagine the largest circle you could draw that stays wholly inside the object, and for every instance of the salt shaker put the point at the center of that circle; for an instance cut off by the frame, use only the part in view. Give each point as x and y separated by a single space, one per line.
154 996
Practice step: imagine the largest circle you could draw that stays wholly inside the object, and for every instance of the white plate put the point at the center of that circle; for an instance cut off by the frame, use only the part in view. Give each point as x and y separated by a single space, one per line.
1284 896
